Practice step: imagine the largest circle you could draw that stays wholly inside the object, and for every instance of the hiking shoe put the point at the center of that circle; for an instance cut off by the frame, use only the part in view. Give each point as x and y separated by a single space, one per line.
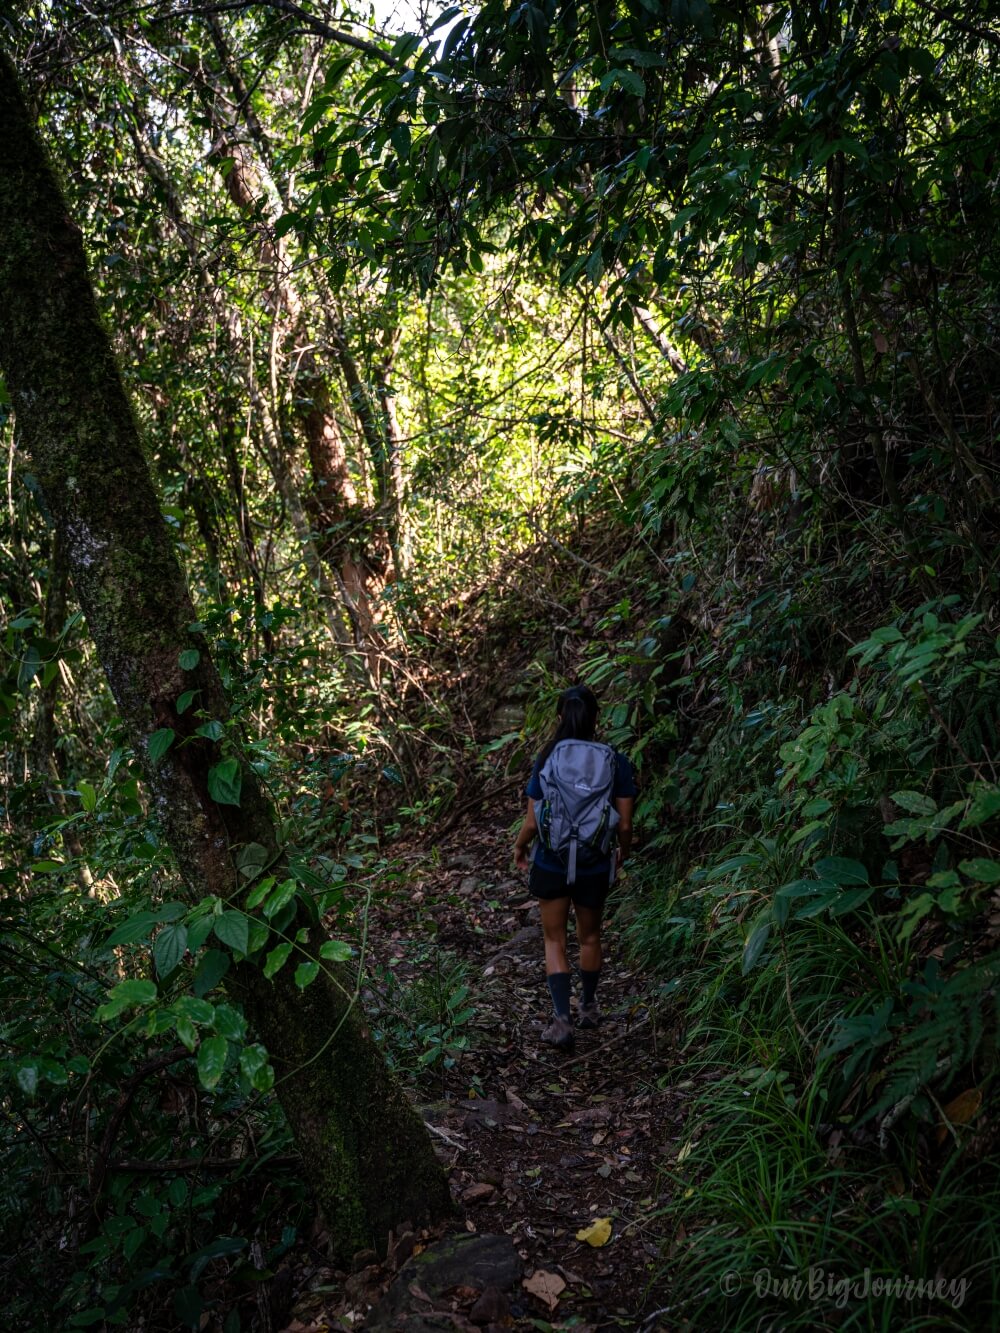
589 1015
559 1033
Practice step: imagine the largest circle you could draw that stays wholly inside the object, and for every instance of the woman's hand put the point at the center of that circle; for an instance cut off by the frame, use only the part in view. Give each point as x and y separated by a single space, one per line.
521 858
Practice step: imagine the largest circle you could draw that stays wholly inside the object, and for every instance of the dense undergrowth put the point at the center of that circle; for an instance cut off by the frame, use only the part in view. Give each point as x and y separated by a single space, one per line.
771 548
816 900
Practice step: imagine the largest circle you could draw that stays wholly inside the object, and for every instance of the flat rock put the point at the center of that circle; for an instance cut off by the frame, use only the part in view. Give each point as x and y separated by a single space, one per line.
478 1261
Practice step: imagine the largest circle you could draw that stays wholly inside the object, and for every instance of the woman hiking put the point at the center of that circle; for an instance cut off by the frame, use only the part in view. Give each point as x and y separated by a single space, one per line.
582 876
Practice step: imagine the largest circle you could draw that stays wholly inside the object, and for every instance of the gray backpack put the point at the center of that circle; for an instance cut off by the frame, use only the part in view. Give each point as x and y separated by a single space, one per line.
576 816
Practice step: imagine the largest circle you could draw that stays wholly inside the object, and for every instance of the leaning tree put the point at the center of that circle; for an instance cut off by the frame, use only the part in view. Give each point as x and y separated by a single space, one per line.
365 1150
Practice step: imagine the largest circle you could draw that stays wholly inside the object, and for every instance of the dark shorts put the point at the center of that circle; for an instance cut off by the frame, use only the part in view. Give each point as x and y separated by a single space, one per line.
588 891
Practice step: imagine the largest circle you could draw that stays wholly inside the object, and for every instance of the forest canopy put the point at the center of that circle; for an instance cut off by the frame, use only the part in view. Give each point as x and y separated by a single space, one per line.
365 380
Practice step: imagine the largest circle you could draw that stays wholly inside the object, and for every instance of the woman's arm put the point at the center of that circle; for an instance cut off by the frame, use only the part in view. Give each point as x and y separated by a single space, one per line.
524 839
624 805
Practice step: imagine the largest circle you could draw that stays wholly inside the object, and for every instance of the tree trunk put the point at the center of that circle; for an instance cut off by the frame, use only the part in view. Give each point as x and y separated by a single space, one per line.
365 1151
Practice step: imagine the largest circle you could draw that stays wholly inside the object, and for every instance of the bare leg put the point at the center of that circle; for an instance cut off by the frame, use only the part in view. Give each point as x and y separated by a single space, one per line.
555 915
588 934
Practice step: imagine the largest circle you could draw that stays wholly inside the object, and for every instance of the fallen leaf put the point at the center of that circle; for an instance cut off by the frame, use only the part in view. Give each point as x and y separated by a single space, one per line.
598 1233
548 1287
959 1111
477 1193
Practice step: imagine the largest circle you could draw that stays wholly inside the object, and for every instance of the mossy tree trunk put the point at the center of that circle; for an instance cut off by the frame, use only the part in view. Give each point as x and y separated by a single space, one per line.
365 1151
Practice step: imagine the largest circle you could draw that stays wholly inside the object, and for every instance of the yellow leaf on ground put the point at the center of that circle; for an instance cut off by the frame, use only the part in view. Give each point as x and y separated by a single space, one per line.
598 1233
959 1111
546 1286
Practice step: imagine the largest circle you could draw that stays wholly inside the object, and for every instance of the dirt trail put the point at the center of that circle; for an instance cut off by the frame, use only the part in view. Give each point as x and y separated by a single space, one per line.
539 1143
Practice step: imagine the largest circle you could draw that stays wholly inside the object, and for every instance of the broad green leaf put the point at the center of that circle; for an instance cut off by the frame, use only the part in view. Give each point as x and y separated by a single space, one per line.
199 1011
88 796
189 659
199 930
841 870
985 805
252 859
229 1022
259 892
212 967
185 700
212 1060
169 948
137 927
258 936
980 869
212 731
281 896
305 974
127 995
254 1064
160 742
276 959
186 1031
335 951
850 899
231 928
225 781
914 802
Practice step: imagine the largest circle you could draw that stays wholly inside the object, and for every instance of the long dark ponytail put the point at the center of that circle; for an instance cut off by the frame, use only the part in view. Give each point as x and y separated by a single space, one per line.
577 713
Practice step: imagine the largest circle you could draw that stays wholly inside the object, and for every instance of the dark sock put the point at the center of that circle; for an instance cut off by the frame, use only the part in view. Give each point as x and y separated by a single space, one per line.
590 980
559 984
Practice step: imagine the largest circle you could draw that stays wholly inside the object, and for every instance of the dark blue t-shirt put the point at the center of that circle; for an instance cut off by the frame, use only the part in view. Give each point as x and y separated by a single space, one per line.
624 786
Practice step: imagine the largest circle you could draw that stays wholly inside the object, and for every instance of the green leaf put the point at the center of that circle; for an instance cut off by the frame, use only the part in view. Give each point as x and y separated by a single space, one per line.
169 948
850 899
259 892
625 78
137 927
305 974
199 1011
189 659
232 929
229 1022
212 731
840 870
335 951
985 804
185 700
254 1065
88 797
259 934
914 912
281 896
981 870
160 742
134 993
276 959
224 782
186 1031
754 946
127 995
212 1060
212 967
914 802
252 859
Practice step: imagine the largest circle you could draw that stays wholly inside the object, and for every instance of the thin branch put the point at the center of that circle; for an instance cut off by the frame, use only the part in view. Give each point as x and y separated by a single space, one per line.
312 23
